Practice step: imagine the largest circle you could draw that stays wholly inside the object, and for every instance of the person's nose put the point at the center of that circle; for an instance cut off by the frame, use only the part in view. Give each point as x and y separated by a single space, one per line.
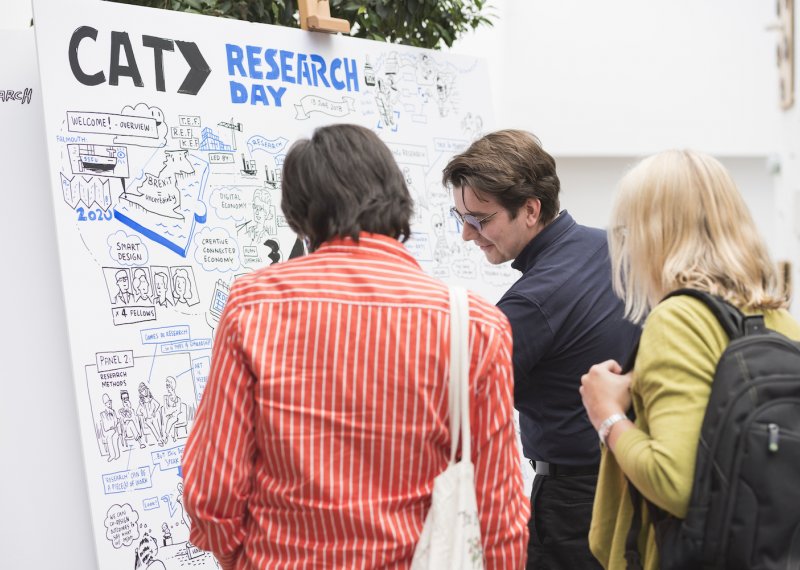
468 233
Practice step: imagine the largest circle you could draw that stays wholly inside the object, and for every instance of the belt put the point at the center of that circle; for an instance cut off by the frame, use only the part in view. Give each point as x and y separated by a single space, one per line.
553 470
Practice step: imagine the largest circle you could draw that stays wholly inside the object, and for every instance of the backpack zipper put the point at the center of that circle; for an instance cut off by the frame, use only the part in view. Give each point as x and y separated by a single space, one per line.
747 424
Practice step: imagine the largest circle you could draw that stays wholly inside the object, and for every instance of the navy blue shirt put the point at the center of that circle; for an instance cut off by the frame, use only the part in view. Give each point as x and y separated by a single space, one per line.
564 317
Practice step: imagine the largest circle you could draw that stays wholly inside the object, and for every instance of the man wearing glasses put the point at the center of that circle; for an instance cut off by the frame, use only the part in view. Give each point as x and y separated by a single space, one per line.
564 317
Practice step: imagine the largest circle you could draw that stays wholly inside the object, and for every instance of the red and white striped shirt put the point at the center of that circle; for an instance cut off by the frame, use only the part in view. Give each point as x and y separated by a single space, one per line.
325 417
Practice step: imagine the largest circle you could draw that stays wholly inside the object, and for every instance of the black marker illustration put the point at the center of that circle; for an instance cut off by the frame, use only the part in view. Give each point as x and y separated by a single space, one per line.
146 552
124 295
274 251
173 413
183 287
130 429
141 286
149 412
109 427
163 291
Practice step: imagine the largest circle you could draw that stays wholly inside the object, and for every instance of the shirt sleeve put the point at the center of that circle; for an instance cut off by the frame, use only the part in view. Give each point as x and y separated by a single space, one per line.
217 462
502 505
532 337
678 353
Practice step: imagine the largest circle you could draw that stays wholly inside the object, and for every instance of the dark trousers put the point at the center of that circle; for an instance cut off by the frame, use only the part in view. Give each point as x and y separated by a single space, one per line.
561 511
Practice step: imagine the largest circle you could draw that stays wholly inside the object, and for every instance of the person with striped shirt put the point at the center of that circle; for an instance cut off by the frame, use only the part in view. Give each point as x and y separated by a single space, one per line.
325 417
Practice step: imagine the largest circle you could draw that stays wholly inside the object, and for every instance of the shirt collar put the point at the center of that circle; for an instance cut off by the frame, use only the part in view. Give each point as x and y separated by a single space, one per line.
543 240
376 245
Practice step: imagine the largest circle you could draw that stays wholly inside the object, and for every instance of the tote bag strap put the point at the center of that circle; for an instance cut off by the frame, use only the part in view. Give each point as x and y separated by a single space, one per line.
459 374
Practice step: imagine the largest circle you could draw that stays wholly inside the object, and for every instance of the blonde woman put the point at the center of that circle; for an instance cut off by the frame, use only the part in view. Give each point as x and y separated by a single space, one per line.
678 222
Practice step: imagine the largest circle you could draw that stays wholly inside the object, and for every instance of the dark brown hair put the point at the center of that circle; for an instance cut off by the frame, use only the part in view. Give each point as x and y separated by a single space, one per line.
342 181
512 166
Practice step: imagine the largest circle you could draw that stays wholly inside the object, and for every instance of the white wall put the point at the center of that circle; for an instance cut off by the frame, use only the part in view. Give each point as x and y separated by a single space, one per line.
43 494
15 14
604 83
588 185
631 77
787 179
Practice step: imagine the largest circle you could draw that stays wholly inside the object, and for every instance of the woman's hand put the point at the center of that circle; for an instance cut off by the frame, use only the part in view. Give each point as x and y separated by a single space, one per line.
605 391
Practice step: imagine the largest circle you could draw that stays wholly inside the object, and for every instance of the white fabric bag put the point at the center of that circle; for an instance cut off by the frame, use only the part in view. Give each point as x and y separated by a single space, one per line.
451 535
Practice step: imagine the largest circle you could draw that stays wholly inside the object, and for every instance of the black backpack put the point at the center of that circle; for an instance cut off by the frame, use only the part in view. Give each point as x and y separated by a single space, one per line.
744 510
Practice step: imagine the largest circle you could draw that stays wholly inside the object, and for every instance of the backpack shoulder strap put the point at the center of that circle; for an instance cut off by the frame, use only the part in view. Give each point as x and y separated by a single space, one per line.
730 318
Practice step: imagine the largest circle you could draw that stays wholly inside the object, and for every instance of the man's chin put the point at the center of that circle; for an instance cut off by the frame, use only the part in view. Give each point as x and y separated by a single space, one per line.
493 257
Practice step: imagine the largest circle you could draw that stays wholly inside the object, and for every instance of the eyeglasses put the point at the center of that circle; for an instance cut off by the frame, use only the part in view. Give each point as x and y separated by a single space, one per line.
469 219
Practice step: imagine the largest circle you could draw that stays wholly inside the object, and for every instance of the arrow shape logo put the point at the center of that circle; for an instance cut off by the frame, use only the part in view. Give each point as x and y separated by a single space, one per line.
198 68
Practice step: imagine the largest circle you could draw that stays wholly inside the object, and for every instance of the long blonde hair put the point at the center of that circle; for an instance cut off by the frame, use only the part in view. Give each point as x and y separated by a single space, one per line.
679 221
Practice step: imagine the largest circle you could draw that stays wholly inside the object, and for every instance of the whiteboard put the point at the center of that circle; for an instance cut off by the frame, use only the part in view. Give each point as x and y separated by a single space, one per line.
165 134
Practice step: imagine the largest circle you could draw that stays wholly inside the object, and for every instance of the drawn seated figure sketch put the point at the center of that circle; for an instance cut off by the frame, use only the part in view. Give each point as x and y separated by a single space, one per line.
109 428
128 421
146 552
141 286
172 412
181 287
149 413
162 293
124 296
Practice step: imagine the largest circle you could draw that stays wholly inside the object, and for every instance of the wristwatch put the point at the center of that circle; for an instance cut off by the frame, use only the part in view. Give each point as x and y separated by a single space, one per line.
605 427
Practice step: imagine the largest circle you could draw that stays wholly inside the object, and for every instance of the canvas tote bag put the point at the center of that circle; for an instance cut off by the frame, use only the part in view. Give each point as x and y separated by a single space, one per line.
451 534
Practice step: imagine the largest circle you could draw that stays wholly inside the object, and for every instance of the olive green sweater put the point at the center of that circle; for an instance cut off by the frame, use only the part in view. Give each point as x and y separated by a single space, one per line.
680 345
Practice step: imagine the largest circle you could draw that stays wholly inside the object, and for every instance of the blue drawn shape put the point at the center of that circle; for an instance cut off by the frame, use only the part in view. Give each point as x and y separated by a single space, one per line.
165 334
184 346
211 141
166 207
167 459
126 481
150 503
173 507
271 146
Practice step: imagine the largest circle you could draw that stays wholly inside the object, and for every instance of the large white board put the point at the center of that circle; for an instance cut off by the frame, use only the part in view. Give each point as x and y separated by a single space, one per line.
166 134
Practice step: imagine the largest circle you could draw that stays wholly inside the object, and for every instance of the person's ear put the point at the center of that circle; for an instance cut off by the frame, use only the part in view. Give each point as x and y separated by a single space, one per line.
532 209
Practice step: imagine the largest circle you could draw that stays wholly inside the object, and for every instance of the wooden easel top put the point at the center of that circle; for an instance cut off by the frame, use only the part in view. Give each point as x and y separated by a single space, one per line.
315 15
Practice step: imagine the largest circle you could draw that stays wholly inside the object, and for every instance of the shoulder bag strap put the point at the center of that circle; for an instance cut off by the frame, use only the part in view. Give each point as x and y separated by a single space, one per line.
459 373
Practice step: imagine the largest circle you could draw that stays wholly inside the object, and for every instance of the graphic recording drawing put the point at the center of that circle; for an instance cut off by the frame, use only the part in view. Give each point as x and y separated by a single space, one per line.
165 207
98 160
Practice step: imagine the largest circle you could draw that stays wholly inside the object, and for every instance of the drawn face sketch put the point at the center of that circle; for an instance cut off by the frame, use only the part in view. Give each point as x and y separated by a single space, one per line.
122 281
170 385
182 286
141 286
107 401
160 279
438 226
